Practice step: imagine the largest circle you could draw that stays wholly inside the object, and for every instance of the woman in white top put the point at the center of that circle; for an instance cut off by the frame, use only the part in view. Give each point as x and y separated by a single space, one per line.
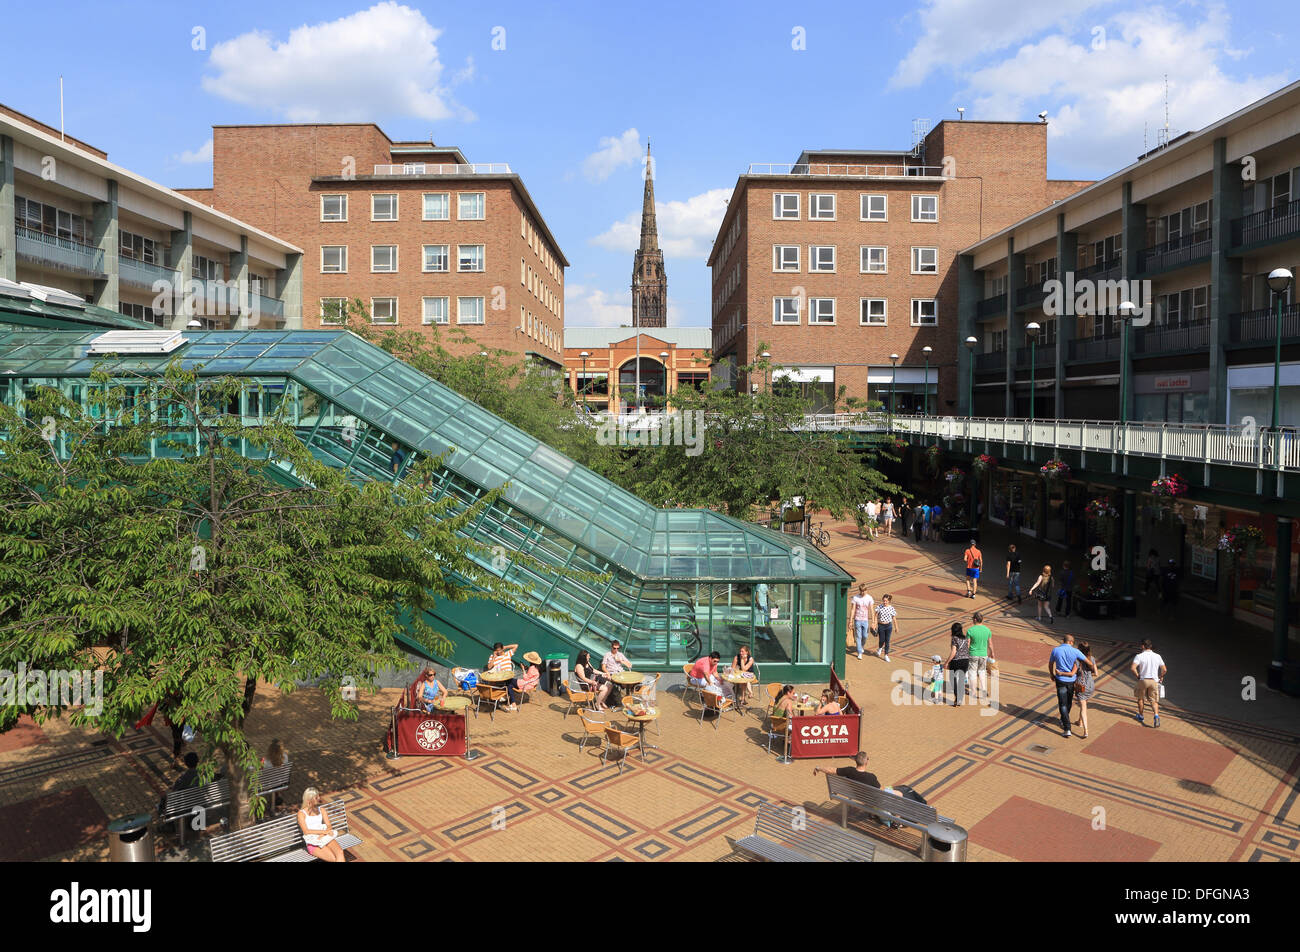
322 840
873 513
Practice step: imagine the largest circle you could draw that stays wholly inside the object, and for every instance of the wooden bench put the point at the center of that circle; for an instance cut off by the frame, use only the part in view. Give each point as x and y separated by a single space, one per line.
179 805
279 840
888 807
783 834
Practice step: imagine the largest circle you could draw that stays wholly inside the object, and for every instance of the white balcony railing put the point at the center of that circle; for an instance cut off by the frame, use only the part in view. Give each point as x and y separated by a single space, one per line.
855 169
426 168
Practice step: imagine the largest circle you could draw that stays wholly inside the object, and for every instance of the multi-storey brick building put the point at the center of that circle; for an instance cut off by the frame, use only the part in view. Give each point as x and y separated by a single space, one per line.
72 221
844 258
424 238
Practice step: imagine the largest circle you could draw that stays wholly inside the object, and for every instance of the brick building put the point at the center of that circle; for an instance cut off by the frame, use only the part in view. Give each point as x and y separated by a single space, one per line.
424 238
606 377
846 257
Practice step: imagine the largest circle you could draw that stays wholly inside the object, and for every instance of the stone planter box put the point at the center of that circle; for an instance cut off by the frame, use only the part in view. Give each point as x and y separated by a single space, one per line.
1096 607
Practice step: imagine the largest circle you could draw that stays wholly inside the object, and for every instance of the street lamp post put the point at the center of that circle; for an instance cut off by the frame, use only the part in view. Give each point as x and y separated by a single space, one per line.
1279 280
663 359
971 344
927 350
767 358
1031 330
893 359
583 382
1126 311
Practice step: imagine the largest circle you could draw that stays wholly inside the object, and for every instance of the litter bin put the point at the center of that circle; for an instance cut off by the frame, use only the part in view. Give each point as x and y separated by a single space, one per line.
130 839
944 843
557 673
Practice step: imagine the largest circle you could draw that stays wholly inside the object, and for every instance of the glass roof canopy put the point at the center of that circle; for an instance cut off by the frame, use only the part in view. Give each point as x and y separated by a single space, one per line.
650 543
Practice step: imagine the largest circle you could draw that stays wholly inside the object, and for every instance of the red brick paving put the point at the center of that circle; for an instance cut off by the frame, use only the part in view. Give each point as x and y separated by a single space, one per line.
929 592
1030 831
56 823
23 734
1147 748
1031 654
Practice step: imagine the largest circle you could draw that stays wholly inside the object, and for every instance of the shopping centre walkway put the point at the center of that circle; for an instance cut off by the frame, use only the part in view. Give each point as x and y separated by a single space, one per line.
1217 781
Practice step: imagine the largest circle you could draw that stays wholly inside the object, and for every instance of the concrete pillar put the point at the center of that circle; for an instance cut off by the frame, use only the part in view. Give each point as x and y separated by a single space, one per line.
248 314
289 280
1015 332
8 237
1128 539
969 289
1134 230
1281 603
180 260
104 237
1225 275
1067 256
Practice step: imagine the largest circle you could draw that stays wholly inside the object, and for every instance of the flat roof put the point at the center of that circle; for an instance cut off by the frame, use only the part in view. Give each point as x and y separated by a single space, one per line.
597 337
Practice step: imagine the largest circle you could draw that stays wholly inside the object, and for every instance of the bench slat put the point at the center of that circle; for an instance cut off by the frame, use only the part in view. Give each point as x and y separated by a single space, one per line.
771 851
878 802
784 839
279 840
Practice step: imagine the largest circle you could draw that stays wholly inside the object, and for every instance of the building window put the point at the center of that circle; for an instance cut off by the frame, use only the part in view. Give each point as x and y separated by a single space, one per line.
437 258
785 257
469 310
785 310
333 208
925 208
333 259
205 268
141 312
821 257
437 206
821 207
925 260
925 312
333 310
383 207
383 310
874 260
874 311
383 258
471 206
821 310
436 311
785 205
137 248
875 208
469 257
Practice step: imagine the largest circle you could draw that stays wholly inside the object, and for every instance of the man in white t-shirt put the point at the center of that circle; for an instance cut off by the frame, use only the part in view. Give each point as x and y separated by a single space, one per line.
862 605
1149 669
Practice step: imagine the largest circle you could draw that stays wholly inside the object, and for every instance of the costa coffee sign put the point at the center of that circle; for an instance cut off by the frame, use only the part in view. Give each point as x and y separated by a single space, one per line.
833 735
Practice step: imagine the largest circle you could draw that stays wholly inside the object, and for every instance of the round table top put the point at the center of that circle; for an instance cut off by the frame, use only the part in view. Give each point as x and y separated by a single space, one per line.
453 704
496 677
651 715
742 678
627 677
809 707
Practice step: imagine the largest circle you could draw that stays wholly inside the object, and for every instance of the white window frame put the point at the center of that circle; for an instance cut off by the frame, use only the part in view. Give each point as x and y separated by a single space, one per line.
864 307
814 259
446 260
446 310
916 318
375 270
482 259
460 206
343 260
864 207
864 263
779 311
343 307
778 206
424 206
482 311
814 206
917 200
918 263
391 323
778 265
375 195
343 200
813 310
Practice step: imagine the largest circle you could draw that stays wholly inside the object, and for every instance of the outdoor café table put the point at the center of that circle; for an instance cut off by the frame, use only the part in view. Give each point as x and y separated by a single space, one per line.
740 679
458 704
496 677
641 721
805 708
627 678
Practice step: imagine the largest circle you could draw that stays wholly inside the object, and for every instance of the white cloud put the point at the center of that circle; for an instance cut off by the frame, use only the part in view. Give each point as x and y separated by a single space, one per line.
374 63
614 151
686 228
588 306
194 156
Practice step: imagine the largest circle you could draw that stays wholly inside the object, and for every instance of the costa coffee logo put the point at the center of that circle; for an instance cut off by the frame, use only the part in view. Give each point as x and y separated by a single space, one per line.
824 730
431 735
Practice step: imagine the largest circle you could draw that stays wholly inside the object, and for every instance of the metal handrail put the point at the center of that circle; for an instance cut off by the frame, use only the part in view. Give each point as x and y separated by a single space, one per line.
859 170
427 168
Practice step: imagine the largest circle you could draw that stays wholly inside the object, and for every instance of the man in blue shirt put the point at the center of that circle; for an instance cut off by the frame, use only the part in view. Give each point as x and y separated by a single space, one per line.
1063 666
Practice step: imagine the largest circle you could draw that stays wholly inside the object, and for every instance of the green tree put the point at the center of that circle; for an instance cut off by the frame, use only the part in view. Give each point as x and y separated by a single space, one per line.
192 575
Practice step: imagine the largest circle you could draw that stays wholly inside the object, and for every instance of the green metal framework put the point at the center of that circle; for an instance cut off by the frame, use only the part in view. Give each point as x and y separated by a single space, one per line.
681 581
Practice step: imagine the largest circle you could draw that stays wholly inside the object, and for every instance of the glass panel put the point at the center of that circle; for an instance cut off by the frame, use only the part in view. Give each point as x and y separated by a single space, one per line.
816 612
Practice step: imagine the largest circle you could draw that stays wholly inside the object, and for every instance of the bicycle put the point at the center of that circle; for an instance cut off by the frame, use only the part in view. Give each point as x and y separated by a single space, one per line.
819 536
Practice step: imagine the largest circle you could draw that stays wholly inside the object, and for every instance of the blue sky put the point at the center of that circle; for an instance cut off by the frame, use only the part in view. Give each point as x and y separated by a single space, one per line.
579 87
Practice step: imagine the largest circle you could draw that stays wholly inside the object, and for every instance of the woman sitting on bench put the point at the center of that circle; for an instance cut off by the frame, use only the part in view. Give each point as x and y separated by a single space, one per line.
321 839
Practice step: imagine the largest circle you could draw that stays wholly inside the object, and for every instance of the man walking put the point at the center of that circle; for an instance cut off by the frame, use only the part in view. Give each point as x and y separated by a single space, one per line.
974 562
1013 574
863 605
925 523
1063 668
981 652
1149 669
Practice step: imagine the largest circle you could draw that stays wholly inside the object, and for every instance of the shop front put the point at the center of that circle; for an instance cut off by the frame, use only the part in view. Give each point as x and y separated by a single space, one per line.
1182 397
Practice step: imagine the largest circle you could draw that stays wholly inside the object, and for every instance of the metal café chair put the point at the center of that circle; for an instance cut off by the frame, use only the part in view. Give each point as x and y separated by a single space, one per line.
717 704
593 725
778 727
493 695
577 698
621 741
688 686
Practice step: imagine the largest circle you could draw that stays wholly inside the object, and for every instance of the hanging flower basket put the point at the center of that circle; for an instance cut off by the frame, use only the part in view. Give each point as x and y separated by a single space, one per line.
980 464
954 477
1101 509
934 457
896 445
1101 585
1241 540
1055 470
1168 488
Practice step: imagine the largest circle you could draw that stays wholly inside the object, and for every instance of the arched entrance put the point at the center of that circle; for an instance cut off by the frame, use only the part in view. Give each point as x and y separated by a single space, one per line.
653 379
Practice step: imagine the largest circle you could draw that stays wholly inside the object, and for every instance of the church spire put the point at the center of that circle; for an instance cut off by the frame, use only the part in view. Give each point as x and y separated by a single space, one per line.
649 231
649 282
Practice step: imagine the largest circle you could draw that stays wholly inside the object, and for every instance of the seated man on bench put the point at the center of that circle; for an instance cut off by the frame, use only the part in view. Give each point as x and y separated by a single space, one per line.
855 771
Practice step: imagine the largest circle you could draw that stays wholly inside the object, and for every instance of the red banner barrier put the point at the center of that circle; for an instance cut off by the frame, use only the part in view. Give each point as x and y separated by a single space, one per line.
830 735
440 734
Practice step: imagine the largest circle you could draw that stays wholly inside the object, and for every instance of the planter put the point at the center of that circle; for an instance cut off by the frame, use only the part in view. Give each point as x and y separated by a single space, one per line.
957 535
1096 607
